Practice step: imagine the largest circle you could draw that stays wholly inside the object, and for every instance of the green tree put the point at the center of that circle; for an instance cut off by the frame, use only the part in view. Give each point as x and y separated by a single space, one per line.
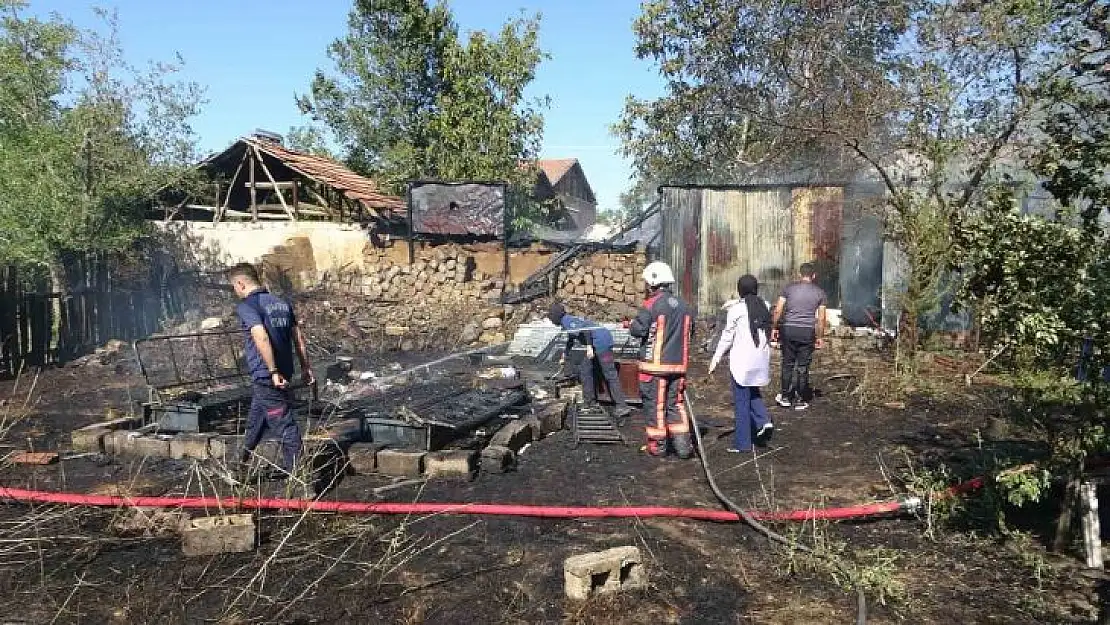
85 140
932 100
411 98
1041 283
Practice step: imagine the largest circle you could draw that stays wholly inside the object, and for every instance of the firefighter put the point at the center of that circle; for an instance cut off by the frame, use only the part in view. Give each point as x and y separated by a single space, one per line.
665 326
272 338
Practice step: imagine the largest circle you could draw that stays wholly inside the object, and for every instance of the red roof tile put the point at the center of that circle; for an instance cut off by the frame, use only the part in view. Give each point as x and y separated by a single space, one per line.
332 173
556 168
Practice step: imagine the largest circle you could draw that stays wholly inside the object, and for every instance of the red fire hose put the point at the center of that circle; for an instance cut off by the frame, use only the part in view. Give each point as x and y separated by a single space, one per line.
551 512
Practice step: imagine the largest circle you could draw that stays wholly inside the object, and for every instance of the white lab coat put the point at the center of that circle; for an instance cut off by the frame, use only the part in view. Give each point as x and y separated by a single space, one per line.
749 365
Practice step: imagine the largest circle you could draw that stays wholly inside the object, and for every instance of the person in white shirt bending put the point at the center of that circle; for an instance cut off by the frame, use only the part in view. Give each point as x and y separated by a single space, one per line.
745 338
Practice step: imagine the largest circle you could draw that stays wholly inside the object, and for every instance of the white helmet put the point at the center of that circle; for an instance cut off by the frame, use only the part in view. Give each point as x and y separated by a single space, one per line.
658 273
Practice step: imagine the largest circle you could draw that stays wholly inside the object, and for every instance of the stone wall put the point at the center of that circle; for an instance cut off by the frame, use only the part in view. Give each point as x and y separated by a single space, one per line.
441 301
605 286
444 301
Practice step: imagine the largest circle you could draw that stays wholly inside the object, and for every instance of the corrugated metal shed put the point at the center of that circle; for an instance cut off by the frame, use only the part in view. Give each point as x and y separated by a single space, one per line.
679 244
818 223
746 232
861 261
713 235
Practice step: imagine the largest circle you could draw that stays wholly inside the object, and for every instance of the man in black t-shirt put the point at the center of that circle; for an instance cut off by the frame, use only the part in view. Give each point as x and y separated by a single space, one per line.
801 308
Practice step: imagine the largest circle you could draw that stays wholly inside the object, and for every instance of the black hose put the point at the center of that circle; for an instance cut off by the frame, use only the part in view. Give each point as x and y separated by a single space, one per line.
861 599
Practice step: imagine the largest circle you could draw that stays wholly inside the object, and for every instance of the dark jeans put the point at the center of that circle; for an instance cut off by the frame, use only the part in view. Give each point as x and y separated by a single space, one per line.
797 344
751 414
605 361
271 414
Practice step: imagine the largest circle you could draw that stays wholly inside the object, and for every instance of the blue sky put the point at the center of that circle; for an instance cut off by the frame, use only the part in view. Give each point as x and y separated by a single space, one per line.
254 55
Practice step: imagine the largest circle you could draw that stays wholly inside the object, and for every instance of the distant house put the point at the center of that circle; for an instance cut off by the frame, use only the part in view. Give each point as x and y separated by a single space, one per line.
562 180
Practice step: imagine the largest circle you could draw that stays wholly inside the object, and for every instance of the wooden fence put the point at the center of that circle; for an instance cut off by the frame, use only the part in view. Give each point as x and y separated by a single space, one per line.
40 328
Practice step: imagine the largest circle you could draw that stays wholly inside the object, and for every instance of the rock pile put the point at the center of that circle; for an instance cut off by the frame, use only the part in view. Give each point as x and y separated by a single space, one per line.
441 301
608 286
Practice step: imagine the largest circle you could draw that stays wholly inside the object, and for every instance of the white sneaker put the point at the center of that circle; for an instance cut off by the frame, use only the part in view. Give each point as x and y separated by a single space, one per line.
765 431
782 401
801 405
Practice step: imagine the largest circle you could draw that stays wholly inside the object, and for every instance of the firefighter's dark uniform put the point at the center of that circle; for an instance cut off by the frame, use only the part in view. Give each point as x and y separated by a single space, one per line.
665 326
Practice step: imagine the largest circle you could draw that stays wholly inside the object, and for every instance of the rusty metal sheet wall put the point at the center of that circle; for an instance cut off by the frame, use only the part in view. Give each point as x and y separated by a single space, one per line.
745 231
458 209
861 260
680 245
818 214
770 251
712 236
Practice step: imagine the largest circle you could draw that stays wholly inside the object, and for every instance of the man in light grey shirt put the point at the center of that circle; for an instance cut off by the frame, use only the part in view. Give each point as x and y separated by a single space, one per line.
801 309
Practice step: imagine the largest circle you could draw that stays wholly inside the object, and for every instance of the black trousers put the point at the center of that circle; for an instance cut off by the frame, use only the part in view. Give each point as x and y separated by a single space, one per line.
797 344
603 362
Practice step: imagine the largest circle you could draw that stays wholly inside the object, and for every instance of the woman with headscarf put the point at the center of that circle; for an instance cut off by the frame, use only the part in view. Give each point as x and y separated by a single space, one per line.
745 338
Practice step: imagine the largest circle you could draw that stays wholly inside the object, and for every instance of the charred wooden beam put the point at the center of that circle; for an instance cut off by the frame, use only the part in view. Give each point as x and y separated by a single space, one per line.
277 190
254 190
227 200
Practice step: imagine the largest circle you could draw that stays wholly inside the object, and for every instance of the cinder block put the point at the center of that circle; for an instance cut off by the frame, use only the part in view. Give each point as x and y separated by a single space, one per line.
148 446
497 459
225 449
89 438
452 463
552 416
194 446
129 443
207 536
603 572
400 462
532 422
515 435
115 442
362 458
345 432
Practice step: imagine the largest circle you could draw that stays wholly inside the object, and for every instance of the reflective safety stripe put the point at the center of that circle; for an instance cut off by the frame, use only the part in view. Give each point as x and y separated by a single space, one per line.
660 336
657 368
686 340
683 426
660 429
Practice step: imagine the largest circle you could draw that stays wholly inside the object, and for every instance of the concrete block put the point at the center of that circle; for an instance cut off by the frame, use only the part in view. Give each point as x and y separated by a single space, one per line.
400 462
362 458
148 446
114 442
207 536
552 416
345 432
515 435
497 459
570 393
603 572
452 463
89 438
130 443
532 422
192 446
225 449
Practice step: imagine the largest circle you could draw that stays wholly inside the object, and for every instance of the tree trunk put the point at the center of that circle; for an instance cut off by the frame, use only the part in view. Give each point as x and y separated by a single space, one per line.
1067 513
59 286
